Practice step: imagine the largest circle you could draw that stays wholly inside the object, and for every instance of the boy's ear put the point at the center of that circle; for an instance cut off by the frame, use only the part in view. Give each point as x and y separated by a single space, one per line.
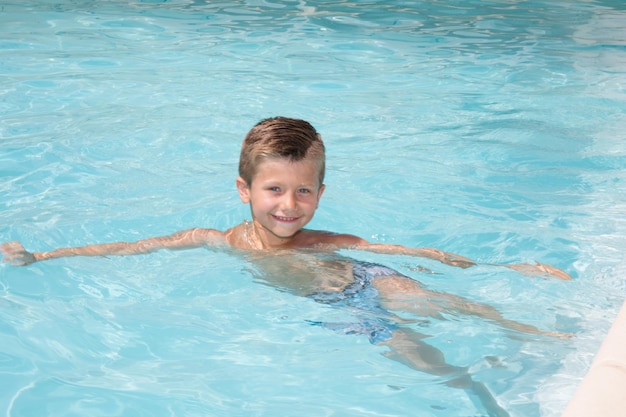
244 190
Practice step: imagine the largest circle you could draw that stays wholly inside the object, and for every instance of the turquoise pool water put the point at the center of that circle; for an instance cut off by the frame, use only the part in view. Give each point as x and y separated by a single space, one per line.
493 129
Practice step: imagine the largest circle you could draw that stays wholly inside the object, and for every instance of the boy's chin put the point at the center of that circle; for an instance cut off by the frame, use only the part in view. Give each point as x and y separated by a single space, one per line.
286 232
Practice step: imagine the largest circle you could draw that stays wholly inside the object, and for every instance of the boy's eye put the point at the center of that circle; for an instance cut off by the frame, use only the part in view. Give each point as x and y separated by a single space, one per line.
275 189
304 190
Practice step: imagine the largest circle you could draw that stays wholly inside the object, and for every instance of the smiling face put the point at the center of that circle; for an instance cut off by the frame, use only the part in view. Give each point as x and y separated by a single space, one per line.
283 197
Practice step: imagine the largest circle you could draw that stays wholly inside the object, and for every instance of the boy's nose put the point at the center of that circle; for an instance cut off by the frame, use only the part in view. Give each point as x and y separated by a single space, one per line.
289 202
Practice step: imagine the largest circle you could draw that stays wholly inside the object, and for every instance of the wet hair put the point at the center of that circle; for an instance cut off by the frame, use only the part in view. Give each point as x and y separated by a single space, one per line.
281 137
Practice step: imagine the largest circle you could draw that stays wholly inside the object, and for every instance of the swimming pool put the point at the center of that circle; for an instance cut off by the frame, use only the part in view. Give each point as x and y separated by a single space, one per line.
490 129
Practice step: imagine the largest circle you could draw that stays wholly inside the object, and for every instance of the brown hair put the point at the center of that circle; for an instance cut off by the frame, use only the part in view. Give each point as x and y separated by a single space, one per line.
281 137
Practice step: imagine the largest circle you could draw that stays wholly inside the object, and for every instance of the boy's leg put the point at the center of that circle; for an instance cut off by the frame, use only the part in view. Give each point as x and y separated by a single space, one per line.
399 293
408 348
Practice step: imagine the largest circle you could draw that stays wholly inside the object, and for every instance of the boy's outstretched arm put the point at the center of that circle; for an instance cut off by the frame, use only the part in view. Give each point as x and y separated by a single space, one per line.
15 253
430 253
538 269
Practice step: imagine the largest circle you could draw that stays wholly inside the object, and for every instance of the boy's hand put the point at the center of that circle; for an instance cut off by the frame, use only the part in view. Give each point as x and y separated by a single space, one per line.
15 254
541 270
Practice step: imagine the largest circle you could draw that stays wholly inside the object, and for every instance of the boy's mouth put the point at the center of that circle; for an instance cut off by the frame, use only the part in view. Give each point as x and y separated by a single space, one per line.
285 219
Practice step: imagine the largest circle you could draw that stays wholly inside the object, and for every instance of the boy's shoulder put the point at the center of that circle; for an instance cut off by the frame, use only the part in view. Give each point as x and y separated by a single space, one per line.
310 238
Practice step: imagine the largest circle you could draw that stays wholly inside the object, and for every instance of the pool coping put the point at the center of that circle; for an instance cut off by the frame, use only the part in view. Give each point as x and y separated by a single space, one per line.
601 392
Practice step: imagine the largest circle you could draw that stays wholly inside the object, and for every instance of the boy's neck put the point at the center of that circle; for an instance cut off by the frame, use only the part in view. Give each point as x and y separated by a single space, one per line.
256 237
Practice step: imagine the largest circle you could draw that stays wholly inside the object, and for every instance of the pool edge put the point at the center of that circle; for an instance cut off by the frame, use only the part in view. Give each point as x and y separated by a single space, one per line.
601 391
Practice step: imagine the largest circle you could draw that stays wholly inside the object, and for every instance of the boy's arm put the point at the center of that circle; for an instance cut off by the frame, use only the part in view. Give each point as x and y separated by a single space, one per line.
430 253
15 253
354 242
538 269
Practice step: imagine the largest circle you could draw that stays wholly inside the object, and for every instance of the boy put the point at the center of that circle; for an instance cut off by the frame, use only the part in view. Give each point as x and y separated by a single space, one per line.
281 177
286 159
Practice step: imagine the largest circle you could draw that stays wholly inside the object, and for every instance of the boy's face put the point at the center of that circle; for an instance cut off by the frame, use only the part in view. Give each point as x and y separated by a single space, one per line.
283 197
